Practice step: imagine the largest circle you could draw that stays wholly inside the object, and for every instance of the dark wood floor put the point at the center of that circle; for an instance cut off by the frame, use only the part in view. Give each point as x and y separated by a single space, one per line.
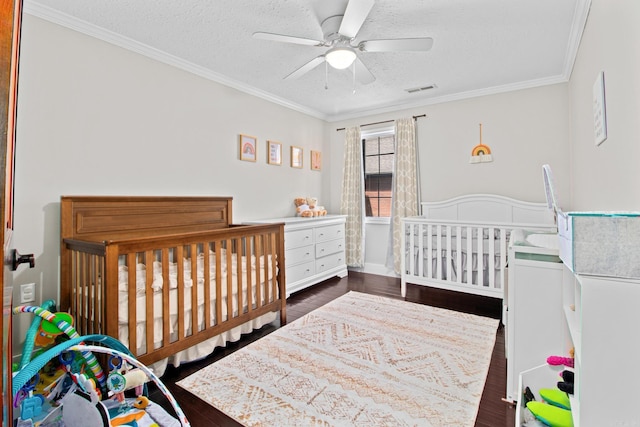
493 411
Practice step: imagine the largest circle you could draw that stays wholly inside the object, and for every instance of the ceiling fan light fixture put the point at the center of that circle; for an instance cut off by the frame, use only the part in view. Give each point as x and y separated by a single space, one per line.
340 57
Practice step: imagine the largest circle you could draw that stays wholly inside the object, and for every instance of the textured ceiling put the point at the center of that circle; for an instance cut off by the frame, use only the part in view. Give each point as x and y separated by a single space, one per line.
480 46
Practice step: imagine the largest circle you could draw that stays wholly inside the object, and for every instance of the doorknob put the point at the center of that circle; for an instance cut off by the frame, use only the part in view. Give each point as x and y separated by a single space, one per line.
17 259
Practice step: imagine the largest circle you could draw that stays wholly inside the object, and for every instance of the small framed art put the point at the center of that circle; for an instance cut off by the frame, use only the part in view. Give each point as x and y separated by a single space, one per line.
248 146
296 157
274 153
316 160
599 110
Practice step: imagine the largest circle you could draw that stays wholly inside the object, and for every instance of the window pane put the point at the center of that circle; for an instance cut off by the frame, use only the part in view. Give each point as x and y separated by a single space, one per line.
371 185
384 207
384 185
386 163
371 147
387 145
371 165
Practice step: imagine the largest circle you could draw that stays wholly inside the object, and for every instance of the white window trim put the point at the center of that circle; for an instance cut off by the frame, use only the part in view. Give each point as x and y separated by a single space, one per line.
377 220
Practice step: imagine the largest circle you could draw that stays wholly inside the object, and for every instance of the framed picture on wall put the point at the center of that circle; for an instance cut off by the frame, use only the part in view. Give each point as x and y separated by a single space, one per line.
274 153
599 110
248 146
296 157
316 160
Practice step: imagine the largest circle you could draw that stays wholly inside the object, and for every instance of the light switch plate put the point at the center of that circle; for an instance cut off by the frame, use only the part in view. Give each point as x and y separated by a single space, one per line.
27 293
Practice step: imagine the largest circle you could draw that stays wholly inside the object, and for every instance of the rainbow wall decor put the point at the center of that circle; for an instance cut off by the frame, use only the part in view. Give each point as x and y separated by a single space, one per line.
481 153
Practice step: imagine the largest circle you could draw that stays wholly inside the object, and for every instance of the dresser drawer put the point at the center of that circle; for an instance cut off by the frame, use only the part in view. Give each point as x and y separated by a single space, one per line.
329 232
330 247
298 238
298 255
329 262
300 272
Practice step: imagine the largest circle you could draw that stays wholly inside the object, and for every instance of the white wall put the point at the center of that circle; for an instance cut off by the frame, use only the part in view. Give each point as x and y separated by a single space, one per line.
606 177
94 118
524 129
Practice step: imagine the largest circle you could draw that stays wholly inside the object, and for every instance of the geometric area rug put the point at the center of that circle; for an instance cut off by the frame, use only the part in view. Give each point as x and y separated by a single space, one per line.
360 360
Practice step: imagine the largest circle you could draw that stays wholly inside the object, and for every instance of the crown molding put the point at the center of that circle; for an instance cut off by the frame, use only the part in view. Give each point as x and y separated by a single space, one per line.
52 15
452 97
575 36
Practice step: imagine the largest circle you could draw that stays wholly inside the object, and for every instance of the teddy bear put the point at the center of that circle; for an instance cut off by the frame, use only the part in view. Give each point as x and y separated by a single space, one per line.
315 208
302 208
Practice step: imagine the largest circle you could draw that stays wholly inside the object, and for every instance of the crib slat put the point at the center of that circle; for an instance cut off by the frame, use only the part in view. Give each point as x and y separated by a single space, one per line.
273 273
131 292
97 286
179 260
195 289
479 258
458 255
229 258
254 286
446 268
491 258
206 249
165 296
219 284
148 314
430 271
503 258
240 250
468 265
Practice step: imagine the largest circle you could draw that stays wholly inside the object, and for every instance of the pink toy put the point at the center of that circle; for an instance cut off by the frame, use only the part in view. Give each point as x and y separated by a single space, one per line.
559 360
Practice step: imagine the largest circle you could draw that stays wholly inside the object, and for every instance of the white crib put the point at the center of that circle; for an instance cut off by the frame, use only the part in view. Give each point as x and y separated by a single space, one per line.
461 244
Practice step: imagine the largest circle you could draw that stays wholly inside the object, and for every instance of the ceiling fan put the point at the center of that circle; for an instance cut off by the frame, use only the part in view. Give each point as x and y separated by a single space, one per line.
339 33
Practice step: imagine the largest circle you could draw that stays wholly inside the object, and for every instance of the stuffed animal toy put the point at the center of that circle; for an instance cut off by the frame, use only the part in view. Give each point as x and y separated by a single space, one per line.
315 208
302 208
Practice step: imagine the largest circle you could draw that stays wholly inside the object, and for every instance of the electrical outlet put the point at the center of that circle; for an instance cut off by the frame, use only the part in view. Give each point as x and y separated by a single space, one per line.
27 293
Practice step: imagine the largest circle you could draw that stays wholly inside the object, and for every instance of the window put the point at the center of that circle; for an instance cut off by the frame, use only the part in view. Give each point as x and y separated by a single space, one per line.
379 153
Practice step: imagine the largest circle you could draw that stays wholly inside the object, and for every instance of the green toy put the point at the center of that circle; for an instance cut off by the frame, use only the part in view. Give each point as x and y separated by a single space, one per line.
550 415
555 397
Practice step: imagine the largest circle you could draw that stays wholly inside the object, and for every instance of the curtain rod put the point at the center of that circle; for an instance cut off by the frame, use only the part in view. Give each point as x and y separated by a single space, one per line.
386 121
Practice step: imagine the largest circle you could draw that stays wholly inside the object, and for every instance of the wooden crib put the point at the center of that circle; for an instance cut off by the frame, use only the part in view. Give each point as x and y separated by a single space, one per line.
153 259
460 244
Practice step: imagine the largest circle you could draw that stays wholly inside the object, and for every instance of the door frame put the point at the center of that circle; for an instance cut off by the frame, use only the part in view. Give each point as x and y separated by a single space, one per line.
10 31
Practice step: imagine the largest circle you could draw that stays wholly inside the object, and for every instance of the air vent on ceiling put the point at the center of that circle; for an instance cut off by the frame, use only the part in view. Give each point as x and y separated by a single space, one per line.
420 89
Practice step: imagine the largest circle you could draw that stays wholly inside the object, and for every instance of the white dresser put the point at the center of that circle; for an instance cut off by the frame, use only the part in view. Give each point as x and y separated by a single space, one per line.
314 249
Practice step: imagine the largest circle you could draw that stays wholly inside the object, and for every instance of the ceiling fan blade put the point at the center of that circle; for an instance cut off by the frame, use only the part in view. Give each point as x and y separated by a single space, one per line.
306 68
287 39
363 74
396 45
354 16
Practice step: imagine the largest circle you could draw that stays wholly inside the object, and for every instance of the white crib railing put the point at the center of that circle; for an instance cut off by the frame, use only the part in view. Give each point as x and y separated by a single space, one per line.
469 257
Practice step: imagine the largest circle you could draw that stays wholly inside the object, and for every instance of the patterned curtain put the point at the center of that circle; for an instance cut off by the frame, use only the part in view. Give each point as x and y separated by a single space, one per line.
405 186
352 201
